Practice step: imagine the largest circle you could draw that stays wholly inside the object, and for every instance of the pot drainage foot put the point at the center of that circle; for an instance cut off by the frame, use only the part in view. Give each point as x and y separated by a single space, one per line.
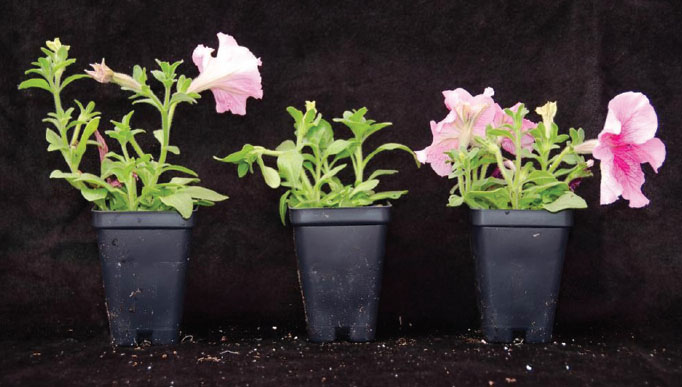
360 335
538 335
507 335
321 334
352 334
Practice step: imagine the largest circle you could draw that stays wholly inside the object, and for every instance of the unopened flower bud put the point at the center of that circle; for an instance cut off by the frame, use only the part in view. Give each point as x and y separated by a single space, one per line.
509 165
586 147
590 163
56 44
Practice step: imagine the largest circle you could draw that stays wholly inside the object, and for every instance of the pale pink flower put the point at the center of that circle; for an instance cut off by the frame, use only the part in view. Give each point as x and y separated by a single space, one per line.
232 75
469 115
445 139
501 118
627 141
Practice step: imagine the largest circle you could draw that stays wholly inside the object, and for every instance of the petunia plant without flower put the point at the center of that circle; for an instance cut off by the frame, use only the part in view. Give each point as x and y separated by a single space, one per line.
133 180
309 167
501 160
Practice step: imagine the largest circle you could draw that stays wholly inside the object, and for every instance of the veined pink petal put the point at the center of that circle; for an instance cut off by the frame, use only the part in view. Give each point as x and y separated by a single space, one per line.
468 117
435 154
652 152
626 142
456 97
632 117
232 75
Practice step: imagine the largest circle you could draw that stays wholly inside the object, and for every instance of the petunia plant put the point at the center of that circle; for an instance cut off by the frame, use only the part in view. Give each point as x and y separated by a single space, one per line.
501 160
309 167
132 179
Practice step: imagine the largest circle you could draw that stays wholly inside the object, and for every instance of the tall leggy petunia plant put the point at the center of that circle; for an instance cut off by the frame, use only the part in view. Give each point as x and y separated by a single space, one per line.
143 218
132 179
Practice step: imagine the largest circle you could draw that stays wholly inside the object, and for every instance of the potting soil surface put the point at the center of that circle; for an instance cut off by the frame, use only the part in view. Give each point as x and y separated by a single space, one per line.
274 356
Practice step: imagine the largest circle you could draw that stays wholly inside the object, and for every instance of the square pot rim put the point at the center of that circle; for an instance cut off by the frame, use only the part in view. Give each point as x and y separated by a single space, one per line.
521 218
340 216
141 220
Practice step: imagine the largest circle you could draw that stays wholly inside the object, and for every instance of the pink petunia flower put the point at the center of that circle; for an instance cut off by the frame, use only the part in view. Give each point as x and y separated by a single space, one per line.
502 118
469 115
627 141
232 75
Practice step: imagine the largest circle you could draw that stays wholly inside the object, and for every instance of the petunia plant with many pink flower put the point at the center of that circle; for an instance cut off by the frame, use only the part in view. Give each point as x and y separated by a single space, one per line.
501 160
132 179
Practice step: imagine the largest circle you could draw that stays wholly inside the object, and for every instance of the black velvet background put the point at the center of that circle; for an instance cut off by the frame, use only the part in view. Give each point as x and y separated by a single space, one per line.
623 266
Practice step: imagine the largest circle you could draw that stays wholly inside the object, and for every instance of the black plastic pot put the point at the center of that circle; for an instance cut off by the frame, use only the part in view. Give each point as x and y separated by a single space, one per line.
144 260
519 256
340 263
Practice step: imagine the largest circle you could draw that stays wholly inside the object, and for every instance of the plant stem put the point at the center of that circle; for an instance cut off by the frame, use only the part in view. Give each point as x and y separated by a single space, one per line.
558 160
357 163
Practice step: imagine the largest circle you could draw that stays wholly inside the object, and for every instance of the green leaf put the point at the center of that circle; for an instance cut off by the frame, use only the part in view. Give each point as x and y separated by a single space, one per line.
500 133
180 201
270 175
179 168
332 172
173 149
290 164
35 82
94 180
336 147
376 127
57 174
159 75
55 140
90 128
72 78
93 194
495 199
183 180
182 97
202 193
242 169
566 201
455 201
365 186
296 114
386 195
382 172
570 159
158 135
238 156
540 177
391 146
320 135
286 145
283 206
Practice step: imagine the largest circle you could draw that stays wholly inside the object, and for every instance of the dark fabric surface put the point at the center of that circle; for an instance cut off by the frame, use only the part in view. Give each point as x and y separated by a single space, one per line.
623 266
262 356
